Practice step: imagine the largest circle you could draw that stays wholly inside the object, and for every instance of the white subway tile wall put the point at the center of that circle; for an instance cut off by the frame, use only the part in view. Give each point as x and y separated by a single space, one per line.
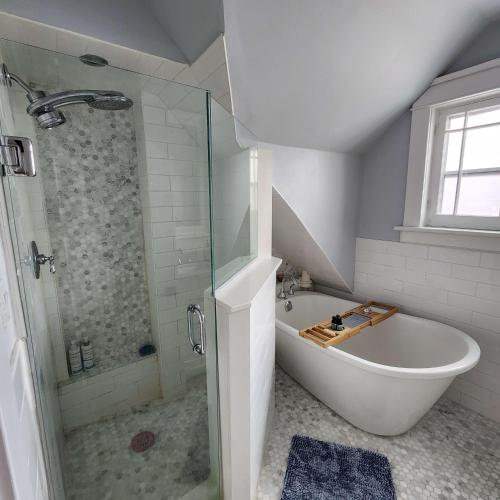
18 423
455 286
35 214
28 210
109 393
174 183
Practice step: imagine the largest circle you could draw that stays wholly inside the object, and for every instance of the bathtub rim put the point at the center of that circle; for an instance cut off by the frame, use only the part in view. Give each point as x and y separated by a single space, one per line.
462 365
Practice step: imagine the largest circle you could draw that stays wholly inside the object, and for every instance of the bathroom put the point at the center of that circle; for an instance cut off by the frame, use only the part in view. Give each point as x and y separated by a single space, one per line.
172 238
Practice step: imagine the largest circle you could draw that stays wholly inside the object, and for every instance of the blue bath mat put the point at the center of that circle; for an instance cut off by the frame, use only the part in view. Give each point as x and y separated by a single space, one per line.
328 471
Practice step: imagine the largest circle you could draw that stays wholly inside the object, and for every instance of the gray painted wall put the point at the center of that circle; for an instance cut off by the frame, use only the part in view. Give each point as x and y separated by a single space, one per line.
484 47
384 164
176 29
322 189
383 182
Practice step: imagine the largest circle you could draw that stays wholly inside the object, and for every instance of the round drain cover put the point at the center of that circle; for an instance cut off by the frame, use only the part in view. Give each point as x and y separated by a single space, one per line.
142 441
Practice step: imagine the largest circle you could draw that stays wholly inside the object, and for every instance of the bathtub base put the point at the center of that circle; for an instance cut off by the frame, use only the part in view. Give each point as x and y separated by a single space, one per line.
374 403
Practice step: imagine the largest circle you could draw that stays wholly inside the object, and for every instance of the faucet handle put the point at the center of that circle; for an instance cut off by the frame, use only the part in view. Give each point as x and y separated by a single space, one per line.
282 294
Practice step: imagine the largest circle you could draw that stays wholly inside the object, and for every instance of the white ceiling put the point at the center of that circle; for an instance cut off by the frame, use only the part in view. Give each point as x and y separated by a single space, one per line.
331 74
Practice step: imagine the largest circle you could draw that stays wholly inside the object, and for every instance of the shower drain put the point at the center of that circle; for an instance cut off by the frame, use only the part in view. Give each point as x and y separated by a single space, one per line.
142 441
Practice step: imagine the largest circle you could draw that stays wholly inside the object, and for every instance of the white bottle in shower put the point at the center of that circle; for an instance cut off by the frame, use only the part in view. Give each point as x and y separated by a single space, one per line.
87 353
75 358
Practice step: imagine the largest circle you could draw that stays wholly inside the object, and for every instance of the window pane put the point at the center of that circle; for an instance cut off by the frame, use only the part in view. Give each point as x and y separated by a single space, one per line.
455 121
483 116
451 151
482 148
480 195
448 195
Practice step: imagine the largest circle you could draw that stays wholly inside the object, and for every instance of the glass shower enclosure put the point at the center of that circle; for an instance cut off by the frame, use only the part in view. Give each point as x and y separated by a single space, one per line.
121 328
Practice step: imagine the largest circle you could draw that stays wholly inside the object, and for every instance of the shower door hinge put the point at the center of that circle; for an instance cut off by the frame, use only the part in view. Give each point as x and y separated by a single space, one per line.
16 156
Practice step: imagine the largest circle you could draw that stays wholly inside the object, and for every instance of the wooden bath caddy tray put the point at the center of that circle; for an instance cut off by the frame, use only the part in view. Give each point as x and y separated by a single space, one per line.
355 320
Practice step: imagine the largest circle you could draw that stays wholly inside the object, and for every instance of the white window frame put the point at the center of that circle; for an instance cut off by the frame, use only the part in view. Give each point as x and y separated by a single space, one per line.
474 84
433 218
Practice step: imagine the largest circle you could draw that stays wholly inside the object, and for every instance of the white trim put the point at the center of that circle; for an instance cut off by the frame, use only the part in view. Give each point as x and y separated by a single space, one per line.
467 71
480 84
443 236
240 290
437 170
481 81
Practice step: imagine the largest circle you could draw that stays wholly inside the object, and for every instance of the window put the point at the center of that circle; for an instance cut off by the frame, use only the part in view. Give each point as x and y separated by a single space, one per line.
464 181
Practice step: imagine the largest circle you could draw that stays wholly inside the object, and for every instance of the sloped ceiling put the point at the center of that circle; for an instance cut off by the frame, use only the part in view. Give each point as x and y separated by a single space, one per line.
331 74
179 30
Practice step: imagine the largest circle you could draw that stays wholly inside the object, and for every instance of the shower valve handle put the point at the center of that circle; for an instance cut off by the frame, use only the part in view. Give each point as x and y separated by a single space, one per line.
39 259
42 259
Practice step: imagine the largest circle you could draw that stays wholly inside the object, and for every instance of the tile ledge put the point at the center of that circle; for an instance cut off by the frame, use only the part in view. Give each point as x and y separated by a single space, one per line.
449 230
450 237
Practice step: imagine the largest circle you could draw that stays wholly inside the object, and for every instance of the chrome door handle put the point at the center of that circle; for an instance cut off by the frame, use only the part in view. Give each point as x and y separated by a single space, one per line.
191 310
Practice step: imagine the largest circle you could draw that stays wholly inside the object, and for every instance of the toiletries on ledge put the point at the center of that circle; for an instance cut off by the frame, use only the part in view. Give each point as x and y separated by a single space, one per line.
81 357
75 358
305 281
337 324
87 353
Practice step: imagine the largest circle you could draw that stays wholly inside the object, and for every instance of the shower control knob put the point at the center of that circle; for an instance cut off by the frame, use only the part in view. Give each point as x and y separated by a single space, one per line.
52 264
42 259
38 259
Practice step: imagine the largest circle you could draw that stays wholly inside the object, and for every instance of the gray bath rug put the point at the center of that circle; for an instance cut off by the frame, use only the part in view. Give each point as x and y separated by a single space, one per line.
328 471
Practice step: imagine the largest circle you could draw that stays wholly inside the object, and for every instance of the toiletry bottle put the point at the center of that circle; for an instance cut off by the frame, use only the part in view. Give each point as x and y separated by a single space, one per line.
338 322
75 358
333 324
87 353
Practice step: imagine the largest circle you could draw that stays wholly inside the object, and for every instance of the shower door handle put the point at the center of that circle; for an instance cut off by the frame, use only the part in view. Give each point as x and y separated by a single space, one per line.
193 309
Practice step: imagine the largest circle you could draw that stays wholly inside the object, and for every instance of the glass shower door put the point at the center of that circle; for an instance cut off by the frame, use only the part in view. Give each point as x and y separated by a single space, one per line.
121 200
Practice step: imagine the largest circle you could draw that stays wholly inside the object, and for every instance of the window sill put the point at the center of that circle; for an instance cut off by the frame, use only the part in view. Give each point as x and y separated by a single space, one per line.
450 237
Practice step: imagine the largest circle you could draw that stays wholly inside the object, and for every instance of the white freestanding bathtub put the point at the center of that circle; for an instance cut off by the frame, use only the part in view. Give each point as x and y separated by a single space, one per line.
382 380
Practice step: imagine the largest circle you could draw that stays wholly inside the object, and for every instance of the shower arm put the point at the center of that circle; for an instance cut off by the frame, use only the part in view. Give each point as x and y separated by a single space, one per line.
38 99
11 77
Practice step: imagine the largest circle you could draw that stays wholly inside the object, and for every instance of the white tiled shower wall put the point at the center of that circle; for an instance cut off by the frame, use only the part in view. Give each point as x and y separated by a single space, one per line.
18 415
27 206
109 393
458 287
174 191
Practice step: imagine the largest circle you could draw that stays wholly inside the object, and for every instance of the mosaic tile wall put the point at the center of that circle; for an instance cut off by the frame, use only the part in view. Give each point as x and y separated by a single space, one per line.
92 198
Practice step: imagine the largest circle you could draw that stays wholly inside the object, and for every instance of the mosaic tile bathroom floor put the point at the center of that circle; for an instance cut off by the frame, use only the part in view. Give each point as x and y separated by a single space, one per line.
452 453
100 465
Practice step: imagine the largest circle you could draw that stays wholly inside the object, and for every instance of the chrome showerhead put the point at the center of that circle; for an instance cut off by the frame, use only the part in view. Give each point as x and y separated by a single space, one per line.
50 119
111 102
44 108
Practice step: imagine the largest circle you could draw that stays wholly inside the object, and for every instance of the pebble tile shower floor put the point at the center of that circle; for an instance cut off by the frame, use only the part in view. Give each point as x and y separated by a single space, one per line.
100 465
452 453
